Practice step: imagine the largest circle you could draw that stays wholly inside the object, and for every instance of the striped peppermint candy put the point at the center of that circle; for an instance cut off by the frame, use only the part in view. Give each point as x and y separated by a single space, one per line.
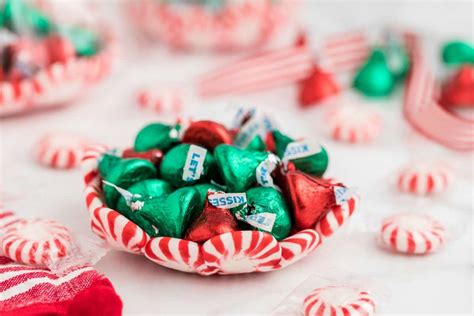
36 241
7 218
340 301
174 253
242 252
412 233
345 52
298 246
258 72
61 151
354 124
161 100
336 217
424 178
119 231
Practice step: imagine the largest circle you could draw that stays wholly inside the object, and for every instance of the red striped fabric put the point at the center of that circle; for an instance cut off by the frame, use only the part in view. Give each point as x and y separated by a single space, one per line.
26 290
426 115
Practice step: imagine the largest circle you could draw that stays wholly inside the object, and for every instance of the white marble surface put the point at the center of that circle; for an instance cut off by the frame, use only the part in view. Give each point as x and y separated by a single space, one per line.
438 283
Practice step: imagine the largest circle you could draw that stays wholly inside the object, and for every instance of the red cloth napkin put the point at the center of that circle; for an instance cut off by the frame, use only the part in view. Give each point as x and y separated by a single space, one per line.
27 290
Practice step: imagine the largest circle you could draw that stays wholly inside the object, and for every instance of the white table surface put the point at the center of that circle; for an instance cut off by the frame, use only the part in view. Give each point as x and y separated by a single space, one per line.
438 283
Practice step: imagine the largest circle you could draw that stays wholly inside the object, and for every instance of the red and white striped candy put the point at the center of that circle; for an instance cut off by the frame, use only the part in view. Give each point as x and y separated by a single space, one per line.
336 217
354 124
174 253
340 301
36 241
7 218
61 151
161 100
298 246
412 233
242 252
424 179
119 231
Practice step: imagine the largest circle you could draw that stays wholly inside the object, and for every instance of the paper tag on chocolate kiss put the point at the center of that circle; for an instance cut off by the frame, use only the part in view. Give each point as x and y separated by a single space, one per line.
300 149
263 221
259 124
194 163
264 171
342 194
128 196
227 200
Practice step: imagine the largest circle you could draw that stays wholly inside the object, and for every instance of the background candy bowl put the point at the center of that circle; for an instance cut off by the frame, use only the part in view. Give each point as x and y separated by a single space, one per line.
230 253
237 25
59 83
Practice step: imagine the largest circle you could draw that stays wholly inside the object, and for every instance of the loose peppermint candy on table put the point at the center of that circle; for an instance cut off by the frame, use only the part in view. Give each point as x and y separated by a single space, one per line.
339 300
61 150
412 233
424 179
37 241
354 124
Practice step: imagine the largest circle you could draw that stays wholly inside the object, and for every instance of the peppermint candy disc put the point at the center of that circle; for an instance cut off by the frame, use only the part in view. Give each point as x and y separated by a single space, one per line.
174 253
36 241
61 151
412 233
338 300
354 124
242 252
298 246
424 179
160 100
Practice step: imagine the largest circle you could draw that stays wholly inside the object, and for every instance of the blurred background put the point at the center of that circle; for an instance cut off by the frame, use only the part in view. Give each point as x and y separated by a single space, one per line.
167 60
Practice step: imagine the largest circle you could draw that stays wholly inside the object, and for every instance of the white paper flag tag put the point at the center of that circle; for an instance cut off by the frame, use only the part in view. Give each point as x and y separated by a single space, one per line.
194 163
342 194
264 171
227 200
300 149
259 124
264 221
128 196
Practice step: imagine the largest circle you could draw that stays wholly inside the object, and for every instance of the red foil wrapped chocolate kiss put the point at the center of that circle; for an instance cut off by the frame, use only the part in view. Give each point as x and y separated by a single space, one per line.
311 198
317 87
212 221
207 134
459 91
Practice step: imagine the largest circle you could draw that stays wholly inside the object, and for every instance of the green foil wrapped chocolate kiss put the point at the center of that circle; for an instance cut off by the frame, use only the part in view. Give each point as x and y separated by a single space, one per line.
174 213
238 166
315 164
457 53
374 78
126 173
156 135
107 162
202 191
143 191
263 202
186 165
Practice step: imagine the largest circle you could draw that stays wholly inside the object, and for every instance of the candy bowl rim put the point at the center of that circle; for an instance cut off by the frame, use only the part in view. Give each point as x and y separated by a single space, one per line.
81 71
150 25
230 253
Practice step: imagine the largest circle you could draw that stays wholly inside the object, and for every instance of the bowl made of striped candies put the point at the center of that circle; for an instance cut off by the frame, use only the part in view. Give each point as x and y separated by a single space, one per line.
57 84
46 63
217 25
202 198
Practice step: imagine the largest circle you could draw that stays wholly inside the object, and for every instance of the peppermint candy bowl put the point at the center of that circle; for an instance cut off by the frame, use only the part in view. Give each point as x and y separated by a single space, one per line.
59 83
236 25
229 253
